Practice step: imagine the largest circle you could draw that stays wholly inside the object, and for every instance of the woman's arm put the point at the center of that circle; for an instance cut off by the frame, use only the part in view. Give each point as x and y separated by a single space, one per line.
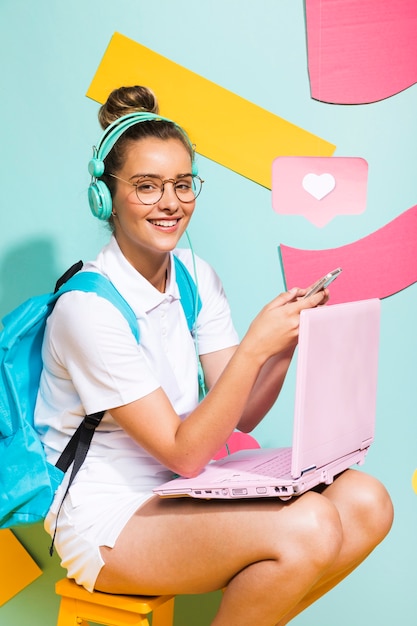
268 383
187 446
265 390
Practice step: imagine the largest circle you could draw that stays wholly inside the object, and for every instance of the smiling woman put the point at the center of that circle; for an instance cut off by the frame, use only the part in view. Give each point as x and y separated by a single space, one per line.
145 184
146 231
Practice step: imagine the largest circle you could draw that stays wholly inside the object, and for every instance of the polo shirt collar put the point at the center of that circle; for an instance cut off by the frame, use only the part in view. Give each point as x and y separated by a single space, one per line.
137 290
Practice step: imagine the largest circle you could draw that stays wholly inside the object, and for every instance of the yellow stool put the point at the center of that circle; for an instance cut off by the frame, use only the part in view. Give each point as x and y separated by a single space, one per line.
79 607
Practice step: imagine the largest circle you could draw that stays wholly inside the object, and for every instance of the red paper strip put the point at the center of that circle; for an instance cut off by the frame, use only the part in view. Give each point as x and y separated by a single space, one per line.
376 266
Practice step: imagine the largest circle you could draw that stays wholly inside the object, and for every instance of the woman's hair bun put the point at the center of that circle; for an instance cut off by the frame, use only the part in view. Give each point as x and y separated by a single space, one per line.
125 100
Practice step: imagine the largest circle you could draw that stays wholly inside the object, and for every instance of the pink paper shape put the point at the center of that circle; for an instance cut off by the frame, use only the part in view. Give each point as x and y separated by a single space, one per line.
361 51
237 441
376 266
319 188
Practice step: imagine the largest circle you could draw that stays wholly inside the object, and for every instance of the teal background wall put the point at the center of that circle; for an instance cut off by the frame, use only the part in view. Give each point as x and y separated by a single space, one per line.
50 50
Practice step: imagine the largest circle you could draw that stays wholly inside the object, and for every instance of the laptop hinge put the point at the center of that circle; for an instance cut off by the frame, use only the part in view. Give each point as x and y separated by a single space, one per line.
308 469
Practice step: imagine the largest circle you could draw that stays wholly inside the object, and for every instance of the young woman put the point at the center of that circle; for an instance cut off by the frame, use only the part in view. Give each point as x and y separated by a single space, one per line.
113 534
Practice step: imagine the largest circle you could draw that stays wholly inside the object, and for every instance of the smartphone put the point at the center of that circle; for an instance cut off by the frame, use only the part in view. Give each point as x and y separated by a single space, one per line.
323 282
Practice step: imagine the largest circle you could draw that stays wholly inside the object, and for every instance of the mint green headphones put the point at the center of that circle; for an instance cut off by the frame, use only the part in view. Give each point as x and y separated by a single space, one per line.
99 196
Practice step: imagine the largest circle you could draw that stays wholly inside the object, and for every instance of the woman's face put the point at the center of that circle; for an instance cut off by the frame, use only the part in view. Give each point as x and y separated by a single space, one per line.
153 229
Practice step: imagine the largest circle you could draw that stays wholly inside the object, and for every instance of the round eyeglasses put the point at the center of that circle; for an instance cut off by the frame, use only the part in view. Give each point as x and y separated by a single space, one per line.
150 189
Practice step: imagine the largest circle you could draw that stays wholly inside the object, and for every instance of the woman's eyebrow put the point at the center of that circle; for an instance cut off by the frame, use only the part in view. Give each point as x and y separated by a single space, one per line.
150 175
146 175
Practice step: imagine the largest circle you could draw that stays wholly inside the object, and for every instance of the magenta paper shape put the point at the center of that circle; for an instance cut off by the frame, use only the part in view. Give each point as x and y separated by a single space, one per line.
361 51
319 188
376 266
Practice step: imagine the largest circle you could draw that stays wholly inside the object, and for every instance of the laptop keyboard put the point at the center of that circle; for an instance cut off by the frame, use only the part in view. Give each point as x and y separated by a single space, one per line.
278 466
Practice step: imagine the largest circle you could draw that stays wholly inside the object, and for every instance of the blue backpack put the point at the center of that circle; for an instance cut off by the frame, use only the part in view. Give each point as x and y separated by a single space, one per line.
27 481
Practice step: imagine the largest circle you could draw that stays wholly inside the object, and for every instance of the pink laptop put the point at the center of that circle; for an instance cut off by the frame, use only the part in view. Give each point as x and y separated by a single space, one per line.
334 413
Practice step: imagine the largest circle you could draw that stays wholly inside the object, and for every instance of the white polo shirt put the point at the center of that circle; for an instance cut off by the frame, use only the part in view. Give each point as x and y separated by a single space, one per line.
92 362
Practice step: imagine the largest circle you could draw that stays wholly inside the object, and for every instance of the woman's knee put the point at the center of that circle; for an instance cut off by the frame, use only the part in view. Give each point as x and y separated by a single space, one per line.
317 529
374 505
369 503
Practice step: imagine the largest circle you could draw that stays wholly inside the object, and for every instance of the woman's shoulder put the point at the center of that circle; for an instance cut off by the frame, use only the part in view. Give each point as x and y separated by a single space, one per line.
83 316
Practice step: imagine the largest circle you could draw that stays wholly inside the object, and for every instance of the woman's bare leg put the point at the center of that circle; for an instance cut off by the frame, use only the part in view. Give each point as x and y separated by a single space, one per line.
366 513
274 558
267 553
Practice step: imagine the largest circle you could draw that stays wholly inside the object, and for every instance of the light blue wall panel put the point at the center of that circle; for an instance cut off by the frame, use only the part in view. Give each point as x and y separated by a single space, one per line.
50 50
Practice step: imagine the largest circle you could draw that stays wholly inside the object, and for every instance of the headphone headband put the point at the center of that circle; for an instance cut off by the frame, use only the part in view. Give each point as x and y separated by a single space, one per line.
115 130
99 196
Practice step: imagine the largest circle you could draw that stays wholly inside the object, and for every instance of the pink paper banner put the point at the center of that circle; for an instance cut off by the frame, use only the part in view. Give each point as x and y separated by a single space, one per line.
376 266
361 51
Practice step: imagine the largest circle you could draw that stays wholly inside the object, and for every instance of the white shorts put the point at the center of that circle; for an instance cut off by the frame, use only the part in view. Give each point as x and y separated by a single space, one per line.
88 519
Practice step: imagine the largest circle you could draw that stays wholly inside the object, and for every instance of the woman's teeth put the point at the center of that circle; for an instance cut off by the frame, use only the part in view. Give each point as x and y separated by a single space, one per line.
166 223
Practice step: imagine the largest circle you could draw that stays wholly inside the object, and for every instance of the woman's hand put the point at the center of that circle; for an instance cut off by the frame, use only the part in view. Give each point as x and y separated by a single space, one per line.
275 328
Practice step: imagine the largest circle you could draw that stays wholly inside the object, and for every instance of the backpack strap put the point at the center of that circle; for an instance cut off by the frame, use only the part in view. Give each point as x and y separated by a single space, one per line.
99 284
77 447
102 286
74 280
191 303
68 274
76 450
190 298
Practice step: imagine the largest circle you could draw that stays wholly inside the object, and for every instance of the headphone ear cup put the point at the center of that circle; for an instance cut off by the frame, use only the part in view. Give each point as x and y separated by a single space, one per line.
100 200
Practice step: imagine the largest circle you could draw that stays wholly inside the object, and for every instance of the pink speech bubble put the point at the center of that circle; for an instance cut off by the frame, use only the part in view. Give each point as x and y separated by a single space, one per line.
361 51
319 187
376 266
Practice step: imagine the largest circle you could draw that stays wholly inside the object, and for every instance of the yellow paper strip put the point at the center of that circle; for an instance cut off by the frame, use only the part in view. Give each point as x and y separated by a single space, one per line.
17 568
225 127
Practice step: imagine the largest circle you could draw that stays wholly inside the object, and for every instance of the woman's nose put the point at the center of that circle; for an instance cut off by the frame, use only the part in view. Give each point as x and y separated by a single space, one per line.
169 197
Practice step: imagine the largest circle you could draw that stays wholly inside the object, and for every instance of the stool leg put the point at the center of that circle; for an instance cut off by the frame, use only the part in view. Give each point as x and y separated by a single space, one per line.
164 615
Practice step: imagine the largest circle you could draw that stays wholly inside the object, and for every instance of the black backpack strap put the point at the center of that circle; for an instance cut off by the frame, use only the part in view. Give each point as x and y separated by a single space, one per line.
68 274
76 450
77 447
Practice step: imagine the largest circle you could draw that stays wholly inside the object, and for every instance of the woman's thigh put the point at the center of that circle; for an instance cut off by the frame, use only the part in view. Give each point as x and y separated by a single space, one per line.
193 546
